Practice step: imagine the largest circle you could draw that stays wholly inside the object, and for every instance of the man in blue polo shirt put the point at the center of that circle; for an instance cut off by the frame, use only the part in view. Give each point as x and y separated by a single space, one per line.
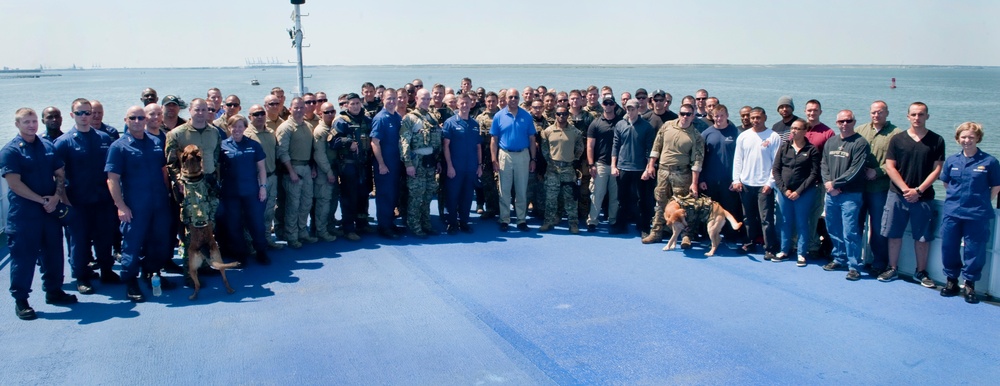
513 153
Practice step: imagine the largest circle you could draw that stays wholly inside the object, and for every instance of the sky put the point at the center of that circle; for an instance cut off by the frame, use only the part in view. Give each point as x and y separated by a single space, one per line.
222 33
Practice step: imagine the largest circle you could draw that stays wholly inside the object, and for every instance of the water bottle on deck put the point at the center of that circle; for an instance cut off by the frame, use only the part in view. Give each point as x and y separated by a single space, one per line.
157 291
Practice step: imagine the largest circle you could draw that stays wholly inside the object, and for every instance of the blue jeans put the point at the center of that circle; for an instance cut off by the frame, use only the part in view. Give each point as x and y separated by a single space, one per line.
842 215
796 216
873 207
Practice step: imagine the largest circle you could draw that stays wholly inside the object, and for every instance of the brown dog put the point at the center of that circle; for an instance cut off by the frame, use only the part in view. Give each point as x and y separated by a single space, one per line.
198 214
676 218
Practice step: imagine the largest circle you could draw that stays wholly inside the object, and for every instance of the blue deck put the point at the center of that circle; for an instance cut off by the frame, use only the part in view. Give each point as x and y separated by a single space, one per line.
511 308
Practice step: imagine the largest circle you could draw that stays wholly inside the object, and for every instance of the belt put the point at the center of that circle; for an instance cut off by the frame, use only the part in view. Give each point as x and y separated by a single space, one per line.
423 151
300 163
561 164
512 151
675 167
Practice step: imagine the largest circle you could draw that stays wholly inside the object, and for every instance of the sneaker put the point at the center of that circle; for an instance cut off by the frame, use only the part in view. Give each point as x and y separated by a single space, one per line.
769 256
781 256
970 293
925 279
950 288
833 266
888 275
800 261
853 275
23 310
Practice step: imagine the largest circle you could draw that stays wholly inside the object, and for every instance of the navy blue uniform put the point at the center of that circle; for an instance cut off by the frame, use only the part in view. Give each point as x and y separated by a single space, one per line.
967 213
239 201
385 127
146 238
31 232
84 155
464 140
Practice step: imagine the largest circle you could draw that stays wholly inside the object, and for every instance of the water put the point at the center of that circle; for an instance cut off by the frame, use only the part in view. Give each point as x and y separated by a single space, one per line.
953 94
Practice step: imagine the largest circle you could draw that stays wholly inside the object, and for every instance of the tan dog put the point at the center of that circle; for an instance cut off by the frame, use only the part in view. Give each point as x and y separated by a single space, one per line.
198 215
676 218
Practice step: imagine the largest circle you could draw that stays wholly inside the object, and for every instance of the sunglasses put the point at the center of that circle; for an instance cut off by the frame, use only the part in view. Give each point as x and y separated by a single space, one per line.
258 114
657 100
232 105
513 98
608 103
845 121
211 110
418 86
561 114
641 98
683 114
82 113
309 102
324 100
700 99
272 104
137 119
331 112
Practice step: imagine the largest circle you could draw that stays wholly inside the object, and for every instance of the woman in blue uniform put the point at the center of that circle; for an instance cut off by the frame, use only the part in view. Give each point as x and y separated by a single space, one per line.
971 180
137 178
35 175
244 191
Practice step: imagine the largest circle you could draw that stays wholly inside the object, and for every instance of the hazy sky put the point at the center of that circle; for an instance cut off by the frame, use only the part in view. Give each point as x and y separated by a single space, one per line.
196 33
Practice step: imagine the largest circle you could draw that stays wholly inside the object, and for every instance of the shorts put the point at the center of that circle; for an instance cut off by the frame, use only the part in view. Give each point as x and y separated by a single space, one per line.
920 215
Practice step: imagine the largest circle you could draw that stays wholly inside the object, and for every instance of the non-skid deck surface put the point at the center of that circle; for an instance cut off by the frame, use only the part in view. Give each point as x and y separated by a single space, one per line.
515 308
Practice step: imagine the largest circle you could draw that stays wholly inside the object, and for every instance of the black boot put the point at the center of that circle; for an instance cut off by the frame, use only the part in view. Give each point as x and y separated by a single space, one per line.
83 285
951 288
59 298
23 310
970 293
132 291
108 276
262 257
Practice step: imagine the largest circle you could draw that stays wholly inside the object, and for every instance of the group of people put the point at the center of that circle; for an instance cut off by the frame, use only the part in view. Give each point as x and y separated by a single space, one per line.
281 172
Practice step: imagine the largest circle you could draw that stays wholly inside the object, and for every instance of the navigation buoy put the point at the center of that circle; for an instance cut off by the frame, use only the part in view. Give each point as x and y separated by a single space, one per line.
893 85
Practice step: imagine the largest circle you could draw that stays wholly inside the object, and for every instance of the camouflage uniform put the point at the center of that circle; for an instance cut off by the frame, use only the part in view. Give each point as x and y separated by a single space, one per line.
354 168
420 146
269 142
489 181
325 193
581 121
536 182
198 207
560 147
680 152
295 144
279 201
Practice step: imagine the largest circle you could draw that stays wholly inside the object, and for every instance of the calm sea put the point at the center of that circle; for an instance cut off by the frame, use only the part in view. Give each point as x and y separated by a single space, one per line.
954 95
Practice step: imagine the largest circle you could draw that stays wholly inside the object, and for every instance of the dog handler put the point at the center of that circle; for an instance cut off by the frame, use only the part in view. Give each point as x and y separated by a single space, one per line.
137 178
244 191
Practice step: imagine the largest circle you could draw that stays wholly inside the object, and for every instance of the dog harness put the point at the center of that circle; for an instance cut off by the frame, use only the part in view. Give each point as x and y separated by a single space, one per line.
198 207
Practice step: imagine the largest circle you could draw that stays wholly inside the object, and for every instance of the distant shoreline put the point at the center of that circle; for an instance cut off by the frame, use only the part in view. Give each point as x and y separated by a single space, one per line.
551 65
